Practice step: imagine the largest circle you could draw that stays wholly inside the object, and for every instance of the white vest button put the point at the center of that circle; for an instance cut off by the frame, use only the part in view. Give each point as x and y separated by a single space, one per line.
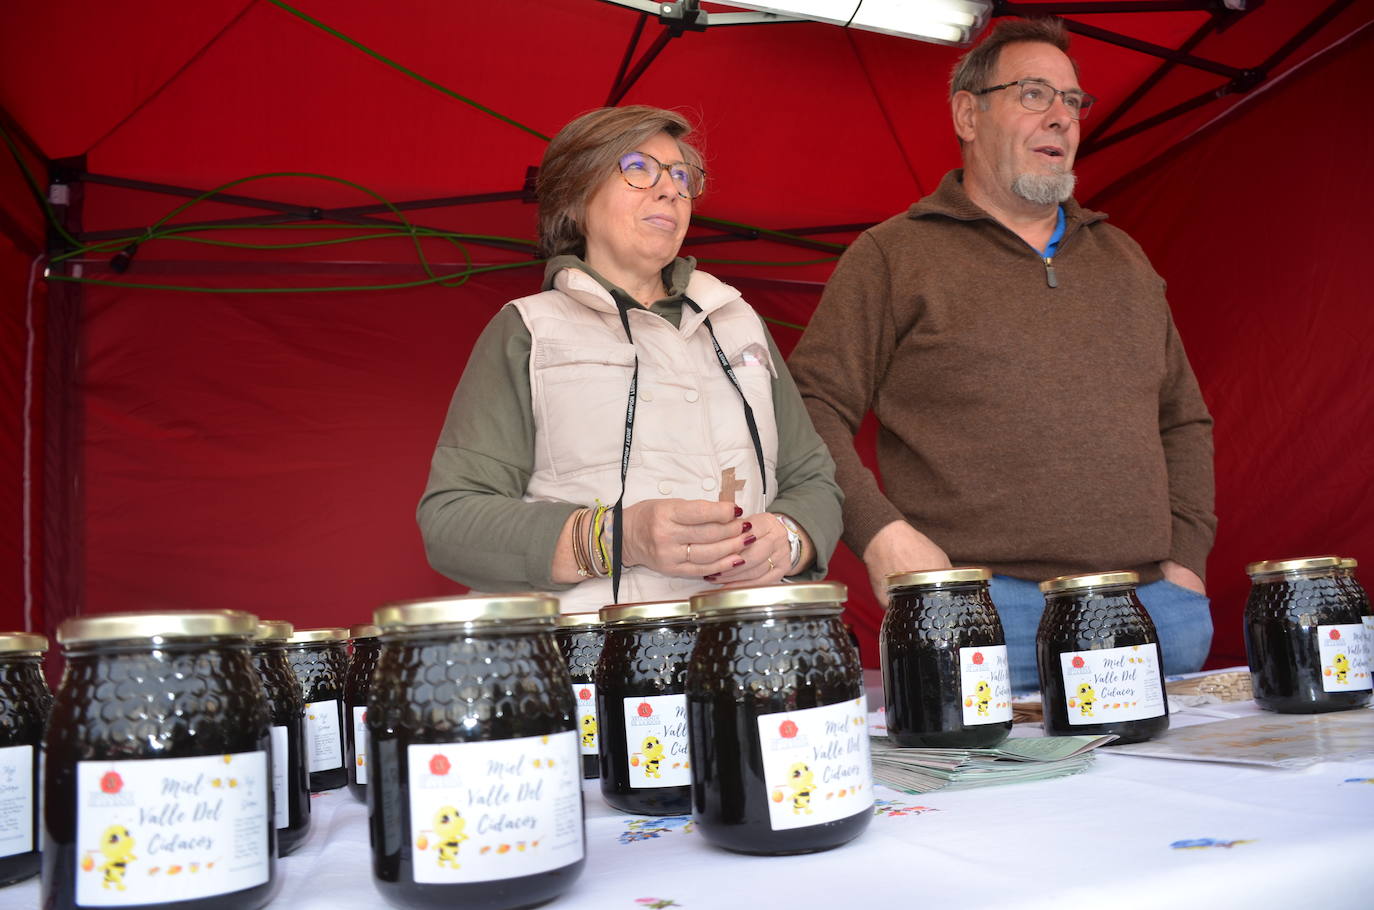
691 395
646 394
665 487
708 484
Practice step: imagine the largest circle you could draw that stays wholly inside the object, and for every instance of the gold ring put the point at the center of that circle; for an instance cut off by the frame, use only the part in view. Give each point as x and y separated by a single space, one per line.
689 552
771 567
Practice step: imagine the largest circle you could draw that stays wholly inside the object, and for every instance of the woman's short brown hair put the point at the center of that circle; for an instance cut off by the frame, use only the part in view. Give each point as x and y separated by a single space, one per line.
583 154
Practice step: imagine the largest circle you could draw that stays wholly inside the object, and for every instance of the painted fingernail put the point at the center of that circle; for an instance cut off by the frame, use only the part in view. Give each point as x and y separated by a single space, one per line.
710 577
737 564
750 539
748 526
738 511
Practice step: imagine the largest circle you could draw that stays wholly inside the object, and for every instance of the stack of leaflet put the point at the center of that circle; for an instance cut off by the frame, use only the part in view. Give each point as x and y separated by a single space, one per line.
923 770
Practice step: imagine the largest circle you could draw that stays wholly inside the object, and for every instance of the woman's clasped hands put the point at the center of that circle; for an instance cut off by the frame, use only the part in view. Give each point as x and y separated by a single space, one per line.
710 540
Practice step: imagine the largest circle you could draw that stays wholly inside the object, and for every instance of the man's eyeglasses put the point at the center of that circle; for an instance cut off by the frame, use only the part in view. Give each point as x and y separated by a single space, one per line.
1037 96
642 170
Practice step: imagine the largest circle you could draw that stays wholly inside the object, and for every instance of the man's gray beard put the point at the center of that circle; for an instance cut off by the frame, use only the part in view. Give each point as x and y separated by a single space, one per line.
1044 189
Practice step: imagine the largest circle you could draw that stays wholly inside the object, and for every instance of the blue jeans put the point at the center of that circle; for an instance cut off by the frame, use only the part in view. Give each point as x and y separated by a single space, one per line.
1183 619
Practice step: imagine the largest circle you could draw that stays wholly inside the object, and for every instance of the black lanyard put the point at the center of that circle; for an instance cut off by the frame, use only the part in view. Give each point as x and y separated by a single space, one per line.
618 526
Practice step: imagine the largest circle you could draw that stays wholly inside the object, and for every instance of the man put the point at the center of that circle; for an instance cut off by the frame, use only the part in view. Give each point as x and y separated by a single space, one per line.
1036 410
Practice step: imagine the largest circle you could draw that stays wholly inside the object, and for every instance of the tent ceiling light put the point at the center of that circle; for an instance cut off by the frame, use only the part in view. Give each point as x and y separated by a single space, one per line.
953 22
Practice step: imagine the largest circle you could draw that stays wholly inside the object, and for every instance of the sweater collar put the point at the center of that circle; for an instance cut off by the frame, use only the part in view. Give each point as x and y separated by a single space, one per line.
951 201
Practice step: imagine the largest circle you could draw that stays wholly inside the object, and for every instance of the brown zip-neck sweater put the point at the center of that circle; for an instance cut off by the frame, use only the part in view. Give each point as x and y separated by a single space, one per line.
1036 430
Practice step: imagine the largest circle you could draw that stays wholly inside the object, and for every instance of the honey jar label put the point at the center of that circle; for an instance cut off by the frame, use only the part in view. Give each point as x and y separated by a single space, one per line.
816 763
493 810
656 741
584 694
153 831
16 800
1113 684
1344 651
323 738
281 812
360 743
1368 630
985 680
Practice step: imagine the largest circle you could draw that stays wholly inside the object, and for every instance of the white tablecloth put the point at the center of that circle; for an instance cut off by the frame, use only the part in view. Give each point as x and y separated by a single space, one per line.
1130 832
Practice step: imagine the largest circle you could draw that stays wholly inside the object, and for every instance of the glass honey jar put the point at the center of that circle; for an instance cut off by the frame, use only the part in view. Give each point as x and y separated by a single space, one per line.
475 785
357 685
320 661
157 788
1099 659
24 703
580 637
944 661
1305 637
290 778
778 721
641 707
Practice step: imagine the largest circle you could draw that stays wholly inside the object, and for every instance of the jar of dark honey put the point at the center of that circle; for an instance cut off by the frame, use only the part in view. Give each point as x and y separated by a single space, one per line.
158 787
1305 637
580 637
357 686
944 660
24 702
641 707
290 778
1099 659
778 721
475 784
320 661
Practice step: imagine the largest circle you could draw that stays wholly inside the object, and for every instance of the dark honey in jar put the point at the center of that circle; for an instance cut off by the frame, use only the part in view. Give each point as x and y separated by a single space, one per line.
475 784
580 637
1305 637
24 702
778 721
318 658
158 784
357 686
290 778
1099 659
641 707
944 658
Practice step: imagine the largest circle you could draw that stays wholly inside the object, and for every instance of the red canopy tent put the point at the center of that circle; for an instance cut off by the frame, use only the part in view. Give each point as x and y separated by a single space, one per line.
263 447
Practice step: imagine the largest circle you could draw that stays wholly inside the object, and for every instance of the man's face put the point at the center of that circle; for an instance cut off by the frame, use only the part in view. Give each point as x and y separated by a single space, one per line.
1010 142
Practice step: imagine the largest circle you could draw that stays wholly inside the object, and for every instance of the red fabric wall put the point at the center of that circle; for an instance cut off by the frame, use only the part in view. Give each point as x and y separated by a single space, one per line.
1261 227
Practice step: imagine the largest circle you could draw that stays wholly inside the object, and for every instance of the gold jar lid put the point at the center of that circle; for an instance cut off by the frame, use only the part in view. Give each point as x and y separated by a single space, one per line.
647 610
15 642
1349 562
317 636
1300 564
363 630
938 576
273 630
157 624
471 608
578 620
1089 580
726 600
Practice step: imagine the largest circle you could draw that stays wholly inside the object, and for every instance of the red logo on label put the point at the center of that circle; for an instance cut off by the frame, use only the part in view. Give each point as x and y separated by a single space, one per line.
978 658
787 729
585 694
1078 662
364 720
111 783
439 766
645 709
1335 633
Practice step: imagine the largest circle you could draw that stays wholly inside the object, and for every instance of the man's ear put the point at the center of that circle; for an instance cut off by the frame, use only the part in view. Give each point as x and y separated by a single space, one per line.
962 108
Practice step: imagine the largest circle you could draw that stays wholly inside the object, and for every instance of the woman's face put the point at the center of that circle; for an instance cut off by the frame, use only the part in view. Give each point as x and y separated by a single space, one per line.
633 231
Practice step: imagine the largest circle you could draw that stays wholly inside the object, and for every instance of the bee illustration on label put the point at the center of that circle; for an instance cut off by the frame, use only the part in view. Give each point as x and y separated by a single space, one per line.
653 755
589 731
984 693
117 846
448 827
1086 697
802 780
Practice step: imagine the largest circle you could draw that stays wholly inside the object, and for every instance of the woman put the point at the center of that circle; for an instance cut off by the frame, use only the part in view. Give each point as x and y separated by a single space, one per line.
631 433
